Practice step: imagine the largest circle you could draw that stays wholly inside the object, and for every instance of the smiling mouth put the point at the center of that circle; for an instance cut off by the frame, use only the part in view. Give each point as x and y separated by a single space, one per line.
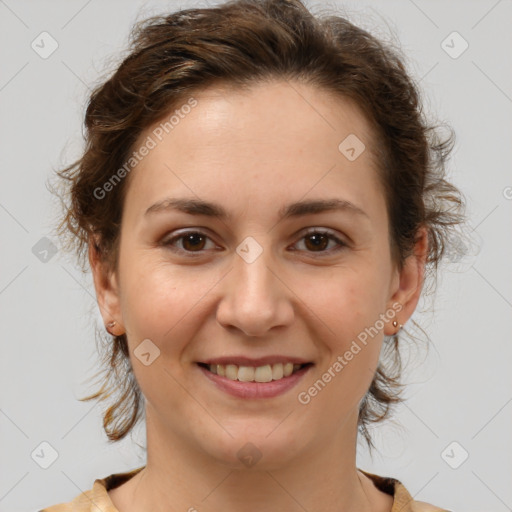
265 373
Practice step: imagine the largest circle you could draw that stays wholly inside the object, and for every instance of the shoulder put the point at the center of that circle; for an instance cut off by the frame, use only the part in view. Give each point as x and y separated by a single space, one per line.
422 506
61 507
402 499
81 503
98 495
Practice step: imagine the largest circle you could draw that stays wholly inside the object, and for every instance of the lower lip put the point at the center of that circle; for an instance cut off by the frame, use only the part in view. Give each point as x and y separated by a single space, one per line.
256 389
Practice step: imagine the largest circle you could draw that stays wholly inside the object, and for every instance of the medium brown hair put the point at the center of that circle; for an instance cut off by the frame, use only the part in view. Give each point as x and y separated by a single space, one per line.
238 44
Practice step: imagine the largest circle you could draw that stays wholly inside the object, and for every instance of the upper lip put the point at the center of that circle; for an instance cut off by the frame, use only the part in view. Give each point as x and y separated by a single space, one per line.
258 361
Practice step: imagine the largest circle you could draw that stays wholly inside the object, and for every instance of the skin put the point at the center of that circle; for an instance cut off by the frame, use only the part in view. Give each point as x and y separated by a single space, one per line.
253 153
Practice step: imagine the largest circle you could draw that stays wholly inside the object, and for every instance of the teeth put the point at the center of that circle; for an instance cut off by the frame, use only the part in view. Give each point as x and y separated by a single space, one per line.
266 373
245 373
231 371
263 373
277 371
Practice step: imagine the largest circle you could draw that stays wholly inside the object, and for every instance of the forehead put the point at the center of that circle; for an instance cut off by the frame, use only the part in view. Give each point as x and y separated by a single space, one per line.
271 111
285 136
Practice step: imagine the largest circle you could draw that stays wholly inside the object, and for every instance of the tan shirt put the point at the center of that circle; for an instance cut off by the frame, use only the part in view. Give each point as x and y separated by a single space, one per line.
97 498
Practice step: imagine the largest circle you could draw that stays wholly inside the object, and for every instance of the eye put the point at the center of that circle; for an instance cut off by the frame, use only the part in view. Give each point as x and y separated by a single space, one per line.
317 240
188 242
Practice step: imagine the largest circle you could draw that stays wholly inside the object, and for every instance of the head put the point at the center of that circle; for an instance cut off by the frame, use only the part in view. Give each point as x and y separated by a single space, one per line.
241 114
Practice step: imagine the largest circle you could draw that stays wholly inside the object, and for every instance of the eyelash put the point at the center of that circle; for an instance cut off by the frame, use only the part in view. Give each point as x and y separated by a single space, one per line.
313 231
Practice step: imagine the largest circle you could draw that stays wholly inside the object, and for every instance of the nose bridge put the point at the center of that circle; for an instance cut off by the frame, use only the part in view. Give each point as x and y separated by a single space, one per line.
254 279
254 300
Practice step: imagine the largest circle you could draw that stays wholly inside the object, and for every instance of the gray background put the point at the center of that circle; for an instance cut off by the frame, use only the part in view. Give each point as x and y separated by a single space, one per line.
461 391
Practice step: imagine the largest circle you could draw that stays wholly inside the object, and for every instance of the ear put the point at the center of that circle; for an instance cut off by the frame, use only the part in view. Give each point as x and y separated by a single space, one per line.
409 283
107 289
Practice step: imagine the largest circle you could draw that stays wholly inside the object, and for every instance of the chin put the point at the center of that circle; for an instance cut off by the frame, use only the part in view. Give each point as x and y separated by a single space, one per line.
258 447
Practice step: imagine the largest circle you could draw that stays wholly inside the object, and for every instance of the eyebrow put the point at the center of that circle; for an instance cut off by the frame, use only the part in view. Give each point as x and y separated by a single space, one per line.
194 206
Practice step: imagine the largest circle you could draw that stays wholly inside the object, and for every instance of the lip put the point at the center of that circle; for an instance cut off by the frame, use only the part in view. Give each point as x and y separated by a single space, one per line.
250 390
260 361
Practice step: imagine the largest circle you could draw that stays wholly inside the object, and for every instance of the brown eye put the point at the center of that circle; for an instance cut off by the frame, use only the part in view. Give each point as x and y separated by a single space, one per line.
188 242
193 241
318 241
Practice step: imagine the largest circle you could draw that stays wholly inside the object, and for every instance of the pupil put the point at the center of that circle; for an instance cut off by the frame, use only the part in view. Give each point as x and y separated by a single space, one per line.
319 241
190 239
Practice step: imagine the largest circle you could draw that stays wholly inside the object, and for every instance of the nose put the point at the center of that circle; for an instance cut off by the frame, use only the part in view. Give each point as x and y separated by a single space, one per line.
255 299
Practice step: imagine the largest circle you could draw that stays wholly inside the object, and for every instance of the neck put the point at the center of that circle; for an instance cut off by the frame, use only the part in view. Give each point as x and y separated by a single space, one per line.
323 478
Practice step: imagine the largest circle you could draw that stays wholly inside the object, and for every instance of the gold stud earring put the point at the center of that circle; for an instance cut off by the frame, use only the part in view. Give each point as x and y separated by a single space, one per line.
109 326
395 324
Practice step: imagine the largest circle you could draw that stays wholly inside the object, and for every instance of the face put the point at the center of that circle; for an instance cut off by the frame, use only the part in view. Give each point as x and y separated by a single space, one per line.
250 240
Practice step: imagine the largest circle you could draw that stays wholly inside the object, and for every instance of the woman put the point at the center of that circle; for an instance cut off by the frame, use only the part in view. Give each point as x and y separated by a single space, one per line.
260 201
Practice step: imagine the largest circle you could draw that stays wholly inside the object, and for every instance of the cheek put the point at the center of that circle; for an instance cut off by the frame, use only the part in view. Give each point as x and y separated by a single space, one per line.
352 348
348 302
160 303
157 300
